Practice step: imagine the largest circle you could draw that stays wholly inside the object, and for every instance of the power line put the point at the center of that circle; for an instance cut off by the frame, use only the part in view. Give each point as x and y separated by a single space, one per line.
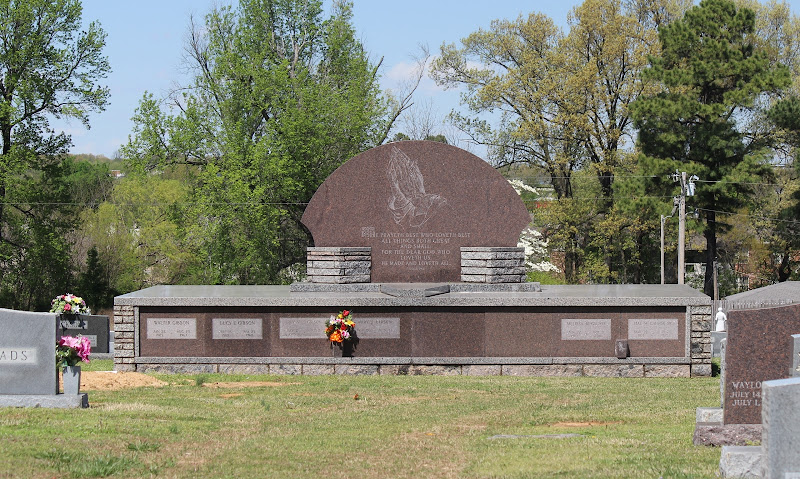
766 218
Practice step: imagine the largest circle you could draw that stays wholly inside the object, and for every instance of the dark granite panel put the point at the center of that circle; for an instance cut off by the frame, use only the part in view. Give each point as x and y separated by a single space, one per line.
653 347
759 349
418 203
423 332
91 325
455 333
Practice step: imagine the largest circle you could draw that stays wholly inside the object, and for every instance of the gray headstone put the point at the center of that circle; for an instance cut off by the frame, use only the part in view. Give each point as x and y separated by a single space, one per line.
780 415
93 326
740 462
795 356
27 353
716 338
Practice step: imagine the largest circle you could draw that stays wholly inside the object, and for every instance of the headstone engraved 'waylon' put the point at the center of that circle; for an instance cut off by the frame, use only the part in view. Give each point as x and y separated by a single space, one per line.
759 348
416 203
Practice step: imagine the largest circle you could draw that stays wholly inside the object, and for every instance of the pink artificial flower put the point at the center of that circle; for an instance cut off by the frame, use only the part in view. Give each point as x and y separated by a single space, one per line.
69 341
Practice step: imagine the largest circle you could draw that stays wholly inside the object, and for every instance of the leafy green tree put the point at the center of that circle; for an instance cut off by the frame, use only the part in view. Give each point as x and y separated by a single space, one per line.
281 97
563 99
139 234
49 67
712 76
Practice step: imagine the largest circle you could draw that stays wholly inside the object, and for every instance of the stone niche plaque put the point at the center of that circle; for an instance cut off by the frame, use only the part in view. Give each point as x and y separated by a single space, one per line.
759 348
171 328
583 329
237 328
653 329
415 203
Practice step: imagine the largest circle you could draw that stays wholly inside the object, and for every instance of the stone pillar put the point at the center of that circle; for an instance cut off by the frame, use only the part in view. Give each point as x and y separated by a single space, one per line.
339 265
700 341
492 265
124 338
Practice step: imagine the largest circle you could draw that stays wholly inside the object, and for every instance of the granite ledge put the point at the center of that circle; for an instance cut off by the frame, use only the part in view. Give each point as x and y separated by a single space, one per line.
282 296
50 401
407 360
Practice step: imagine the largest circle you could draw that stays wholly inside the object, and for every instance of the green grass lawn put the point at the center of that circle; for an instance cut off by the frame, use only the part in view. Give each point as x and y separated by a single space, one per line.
397 427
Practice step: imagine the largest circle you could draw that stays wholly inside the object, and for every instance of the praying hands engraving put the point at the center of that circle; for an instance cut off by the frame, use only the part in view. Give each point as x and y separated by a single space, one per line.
409 203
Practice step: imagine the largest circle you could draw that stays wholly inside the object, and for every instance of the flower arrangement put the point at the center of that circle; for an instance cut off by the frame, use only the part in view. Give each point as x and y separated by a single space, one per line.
340 327
71 349
69 304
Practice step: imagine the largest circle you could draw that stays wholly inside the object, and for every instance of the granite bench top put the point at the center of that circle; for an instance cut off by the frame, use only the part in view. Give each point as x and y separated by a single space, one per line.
364 295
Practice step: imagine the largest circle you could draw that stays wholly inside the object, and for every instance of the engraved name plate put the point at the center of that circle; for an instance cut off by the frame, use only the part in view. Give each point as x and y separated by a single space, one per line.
653 329
171 328
236 328
378 328
302 328
585 329
92 339
17 356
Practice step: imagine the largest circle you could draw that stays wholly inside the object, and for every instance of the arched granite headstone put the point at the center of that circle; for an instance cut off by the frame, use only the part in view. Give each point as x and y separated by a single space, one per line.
416 203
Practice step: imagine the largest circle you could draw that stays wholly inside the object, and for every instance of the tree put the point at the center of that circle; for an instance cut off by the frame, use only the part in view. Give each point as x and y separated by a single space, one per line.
93 283
139 234
712 76
563 103
49 67
280 98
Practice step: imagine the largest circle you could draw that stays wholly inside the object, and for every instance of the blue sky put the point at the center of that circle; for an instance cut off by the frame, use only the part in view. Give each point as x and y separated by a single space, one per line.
146 39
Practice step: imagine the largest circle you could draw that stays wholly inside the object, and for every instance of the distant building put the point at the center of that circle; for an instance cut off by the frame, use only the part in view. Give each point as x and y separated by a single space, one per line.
116 174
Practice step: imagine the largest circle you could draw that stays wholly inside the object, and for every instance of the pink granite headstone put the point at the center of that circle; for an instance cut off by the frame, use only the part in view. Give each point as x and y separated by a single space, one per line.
416 203
759 349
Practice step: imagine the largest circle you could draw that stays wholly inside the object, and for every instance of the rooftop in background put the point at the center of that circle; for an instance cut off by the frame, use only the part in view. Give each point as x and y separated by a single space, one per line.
787 292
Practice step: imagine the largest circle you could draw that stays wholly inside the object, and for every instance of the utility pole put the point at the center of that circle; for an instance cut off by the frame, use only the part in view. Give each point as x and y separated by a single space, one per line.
682 231
663 220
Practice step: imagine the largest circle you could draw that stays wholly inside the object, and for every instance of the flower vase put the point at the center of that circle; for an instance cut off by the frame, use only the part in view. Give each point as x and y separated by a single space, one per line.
347 348
72 379
343 349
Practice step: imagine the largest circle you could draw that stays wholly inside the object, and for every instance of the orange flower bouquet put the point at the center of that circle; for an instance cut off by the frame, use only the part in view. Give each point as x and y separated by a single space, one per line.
341 329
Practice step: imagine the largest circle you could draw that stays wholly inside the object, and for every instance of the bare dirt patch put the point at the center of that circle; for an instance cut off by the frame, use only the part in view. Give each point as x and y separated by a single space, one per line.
112 381
246 384
583 424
